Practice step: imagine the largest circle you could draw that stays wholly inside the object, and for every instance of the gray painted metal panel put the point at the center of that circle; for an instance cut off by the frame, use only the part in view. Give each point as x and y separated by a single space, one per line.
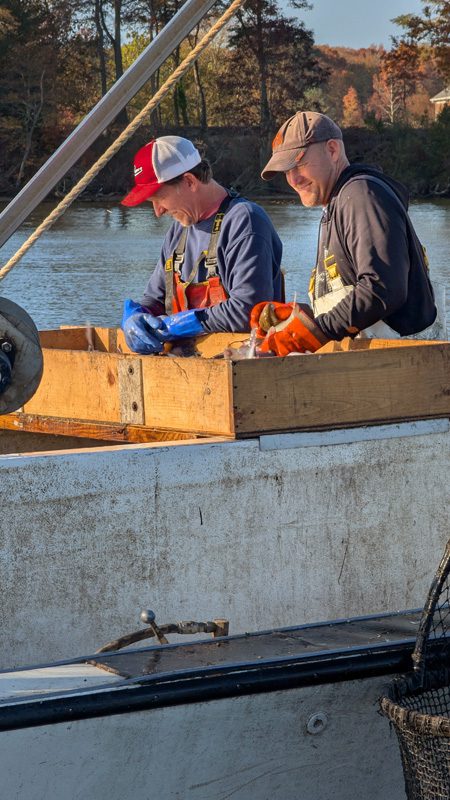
283 441
262 746
262 538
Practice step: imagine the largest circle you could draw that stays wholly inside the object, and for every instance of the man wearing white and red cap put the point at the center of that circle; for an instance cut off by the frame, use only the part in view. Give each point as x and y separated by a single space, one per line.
371 274
220 256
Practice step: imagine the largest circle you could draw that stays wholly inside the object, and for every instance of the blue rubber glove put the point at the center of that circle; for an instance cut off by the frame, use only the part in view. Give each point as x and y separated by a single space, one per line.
182 325
139 327
146 334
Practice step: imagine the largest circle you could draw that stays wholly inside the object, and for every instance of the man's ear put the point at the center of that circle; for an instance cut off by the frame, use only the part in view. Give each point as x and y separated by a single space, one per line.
334 148
191 181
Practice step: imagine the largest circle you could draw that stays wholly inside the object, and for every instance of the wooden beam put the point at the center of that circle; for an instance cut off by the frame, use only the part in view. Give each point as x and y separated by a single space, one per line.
112 340
331 390
188 394
208 346
349 345
136 434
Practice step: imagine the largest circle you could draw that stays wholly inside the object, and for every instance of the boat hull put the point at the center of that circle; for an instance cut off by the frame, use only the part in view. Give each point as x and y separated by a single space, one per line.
242 747
265 532
276 715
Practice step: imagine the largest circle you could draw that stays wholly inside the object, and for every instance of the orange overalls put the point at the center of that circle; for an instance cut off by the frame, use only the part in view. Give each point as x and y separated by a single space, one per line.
182 295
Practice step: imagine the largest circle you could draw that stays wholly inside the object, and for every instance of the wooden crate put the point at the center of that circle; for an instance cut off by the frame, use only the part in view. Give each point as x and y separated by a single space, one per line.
110 393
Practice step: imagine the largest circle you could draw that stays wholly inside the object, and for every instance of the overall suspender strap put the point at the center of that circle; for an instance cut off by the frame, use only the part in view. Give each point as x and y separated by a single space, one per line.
211 256
174 264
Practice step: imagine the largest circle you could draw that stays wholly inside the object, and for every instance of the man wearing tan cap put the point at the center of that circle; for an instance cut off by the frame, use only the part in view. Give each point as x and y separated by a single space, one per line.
371 275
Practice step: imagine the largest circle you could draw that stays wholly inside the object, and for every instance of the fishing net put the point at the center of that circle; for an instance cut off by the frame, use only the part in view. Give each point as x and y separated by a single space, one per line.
418 705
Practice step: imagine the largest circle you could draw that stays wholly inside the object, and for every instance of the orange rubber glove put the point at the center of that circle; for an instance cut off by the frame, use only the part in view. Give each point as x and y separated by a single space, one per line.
265 315
295 331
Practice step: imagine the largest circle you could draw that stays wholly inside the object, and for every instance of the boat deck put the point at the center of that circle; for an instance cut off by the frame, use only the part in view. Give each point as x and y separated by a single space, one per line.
274 646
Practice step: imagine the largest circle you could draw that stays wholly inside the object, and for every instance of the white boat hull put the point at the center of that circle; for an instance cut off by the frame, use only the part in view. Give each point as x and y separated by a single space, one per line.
244 748
266 532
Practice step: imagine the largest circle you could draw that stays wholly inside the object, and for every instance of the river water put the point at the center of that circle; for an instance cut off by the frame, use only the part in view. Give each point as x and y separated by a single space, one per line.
97 254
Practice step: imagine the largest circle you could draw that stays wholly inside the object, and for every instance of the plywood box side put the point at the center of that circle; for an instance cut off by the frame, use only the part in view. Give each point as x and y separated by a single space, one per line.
336 389
79 338
112 340
213 344
347 344
188 394
78 385
64 339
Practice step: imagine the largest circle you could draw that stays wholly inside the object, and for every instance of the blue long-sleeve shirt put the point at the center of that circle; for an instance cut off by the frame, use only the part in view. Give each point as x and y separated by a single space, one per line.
248 262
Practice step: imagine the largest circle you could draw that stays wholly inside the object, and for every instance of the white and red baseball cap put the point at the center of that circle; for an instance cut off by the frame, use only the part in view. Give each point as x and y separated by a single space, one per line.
157 162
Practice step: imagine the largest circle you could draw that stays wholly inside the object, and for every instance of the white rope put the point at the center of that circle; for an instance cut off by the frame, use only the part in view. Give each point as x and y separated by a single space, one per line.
124 136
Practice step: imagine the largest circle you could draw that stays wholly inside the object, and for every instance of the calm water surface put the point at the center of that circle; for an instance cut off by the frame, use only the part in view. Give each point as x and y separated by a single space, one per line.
96 255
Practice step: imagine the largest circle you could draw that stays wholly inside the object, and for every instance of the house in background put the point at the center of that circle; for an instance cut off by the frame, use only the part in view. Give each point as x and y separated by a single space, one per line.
440 101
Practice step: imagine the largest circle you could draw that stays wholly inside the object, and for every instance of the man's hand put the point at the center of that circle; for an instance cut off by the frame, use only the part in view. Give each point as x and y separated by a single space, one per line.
287 328
265 316
183 325
139 327
146 334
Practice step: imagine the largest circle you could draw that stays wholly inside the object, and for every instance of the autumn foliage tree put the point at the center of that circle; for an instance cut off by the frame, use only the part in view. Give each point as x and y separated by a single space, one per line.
432 28
395 82
272 63
352 112
58 57
45 67
348 68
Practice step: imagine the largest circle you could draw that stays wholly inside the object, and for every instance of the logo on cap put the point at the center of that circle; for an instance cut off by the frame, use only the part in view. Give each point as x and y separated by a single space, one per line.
137 171
277 140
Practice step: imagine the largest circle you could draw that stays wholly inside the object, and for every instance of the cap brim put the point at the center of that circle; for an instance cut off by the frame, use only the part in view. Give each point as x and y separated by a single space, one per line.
282 161
140 193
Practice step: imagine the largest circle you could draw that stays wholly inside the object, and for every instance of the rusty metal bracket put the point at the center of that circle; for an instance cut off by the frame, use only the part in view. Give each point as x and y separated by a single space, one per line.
217 627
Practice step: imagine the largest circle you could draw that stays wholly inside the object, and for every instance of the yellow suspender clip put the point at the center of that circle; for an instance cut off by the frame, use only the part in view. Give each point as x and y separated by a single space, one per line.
330 265
217 223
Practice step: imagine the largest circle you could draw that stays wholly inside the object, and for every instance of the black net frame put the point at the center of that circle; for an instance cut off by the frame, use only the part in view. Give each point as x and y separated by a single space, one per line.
418 705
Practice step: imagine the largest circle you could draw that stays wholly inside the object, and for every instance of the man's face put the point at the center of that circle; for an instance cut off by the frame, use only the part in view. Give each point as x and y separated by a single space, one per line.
315 174
178 200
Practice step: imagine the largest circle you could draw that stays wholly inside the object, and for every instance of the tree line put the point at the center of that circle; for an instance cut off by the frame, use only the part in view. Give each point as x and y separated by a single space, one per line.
58 57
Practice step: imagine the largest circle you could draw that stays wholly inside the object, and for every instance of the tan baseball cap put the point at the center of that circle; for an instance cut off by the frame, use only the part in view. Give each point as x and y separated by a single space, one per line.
291 141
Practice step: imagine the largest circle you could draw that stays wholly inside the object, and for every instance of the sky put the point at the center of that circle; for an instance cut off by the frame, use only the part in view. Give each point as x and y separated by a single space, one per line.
355 23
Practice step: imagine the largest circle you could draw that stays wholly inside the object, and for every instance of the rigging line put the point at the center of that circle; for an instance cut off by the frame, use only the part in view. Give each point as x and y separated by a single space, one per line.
124 136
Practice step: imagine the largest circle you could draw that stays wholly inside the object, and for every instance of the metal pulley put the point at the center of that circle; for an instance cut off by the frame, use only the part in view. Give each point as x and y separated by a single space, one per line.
21 361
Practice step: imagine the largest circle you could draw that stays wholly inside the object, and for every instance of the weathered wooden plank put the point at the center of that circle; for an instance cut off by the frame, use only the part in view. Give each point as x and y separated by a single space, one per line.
215 343
64 339
376 381
72 337
206 346
129 372
12 442
188 394
78 385
372 344
161 392
112 340
353 388
35 423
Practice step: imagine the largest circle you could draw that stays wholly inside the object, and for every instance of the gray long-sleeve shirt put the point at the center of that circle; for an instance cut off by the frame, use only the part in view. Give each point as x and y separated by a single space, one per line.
367 229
